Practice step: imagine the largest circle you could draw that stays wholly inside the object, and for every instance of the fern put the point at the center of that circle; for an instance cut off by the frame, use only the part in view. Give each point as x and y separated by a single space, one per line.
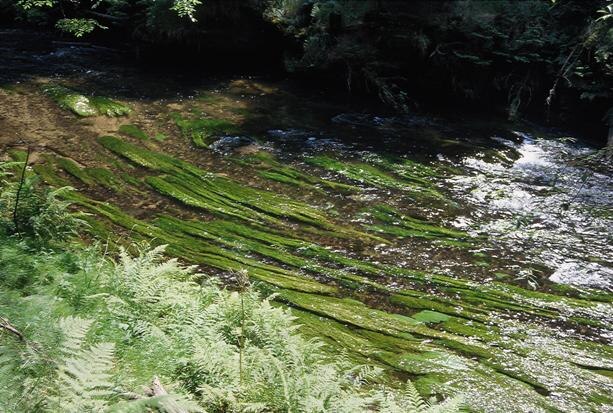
74 330
83 382
158 404
413 399
409 400
30 209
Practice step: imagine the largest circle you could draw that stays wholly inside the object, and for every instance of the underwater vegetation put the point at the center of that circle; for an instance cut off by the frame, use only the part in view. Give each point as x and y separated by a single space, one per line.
270 168
133 130
85 106
394 223
415 184
202 130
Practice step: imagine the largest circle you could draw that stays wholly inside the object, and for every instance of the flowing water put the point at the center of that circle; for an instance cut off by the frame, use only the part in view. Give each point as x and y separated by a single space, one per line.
470 256
546 205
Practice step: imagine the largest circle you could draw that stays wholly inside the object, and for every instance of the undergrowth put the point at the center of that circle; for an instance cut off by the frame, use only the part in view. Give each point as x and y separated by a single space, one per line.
86 330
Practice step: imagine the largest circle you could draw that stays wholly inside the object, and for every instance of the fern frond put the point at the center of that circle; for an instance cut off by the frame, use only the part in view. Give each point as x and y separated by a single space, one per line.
413 399
83 375
85 380
159 404
253 407
74 330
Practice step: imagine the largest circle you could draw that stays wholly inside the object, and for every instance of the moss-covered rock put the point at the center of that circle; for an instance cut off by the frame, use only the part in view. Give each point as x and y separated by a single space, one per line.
68 99
83 105
109 107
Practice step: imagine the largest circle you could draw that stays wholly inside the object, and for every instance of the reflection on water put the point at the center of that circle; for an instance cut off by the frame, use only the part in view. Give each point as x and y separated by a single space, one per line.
545 207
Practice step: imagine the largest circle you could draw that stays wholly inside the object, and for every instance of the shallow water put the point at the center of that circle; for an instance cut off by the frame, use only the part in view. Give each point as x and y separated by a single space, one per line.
471 256
546 207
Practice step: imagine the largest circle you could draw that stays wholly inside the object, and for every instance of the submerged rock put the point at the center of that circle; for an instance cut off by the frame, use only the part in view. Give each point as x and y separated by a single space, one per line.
291 134
358 119
227 144
305 139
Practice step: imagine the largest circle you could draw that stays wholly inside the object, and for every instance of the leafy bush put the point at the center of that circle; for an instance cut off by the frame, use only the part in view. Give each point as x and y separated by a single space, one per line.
78 27
28 208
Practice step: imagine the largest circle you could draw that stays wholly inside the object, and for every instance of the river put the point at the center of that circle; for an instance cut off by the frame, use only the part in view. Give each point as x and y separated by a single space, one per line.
467 254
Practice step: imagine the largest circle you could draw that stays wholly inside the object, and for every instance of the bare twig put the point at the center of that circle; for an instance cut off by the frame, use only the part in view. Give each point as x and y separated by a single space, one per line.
156 388
18 195
107 16
7 326
243 286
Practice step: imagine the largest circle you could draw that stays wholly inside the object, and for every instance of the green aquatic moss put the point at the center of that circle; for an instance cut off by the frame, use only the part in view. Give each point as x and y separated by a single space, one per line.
394 223
226 197
406 168
428 316
354 312
105 178
49 175
202 130
292 252
204 252
75 170
142 157
83 105
71 100
246 239
361 172
134 131
209 202
130 179
370 175
285 178
422 301
109 107
274 170
195 187
277 245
